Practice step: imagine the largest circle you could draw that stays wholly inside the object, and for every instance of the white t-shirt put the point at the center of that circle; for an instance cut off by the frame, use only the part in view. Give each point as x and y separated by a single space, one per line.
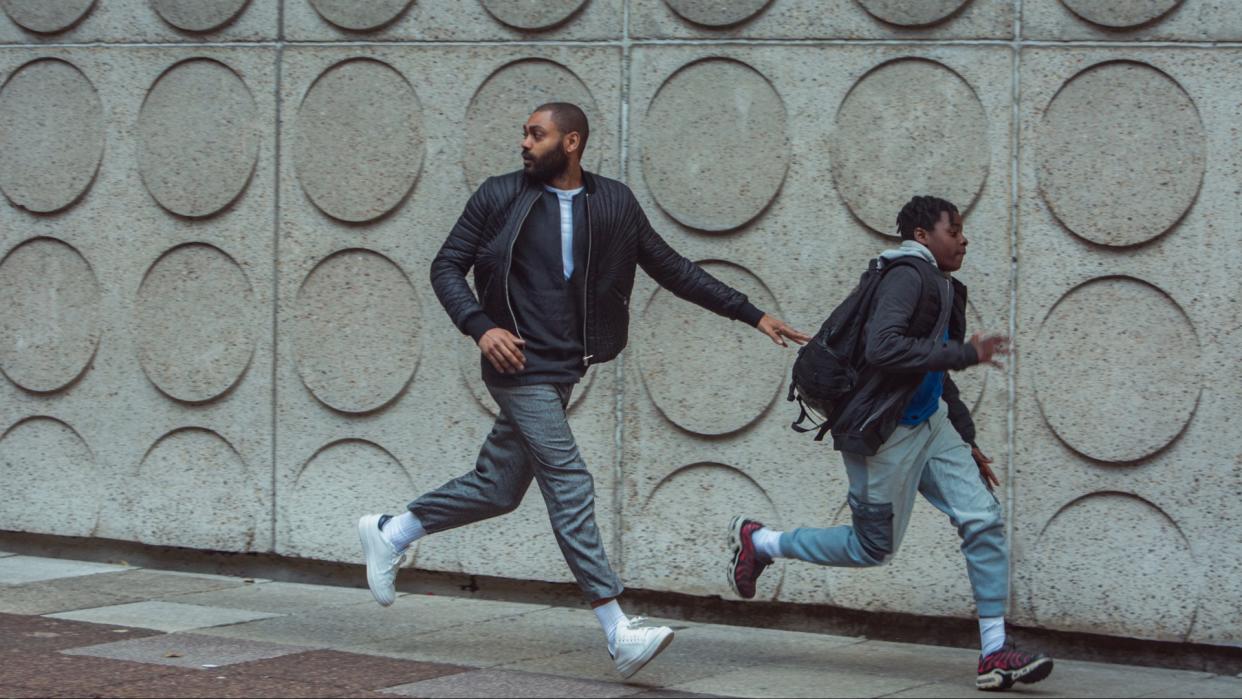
566 197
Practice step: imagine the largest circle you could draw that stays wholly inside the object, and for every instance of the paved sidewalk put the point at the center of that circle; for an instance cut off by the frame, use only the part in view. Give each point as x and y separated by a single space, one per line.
70 628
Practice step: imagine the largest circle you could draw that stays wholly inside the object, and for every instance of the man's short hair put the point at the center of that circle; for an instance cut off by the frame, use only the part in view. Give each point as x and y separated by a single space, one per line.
922 212
568 118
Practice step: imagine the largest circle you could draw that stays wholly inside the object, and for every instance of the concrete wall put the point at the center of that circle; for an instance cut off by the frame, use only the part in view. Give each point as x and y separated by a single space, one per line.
217 330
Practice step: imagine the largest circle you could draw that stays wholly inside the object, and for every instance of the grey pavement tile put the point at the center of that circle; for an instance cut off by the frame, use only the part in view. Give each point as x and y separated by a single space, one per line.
18 570
698 651
503 641
82 592
1222 687
278 598
6 554
668 694
187 650
55 596
510 683
154 584
371 628
162 616
778 681
219 684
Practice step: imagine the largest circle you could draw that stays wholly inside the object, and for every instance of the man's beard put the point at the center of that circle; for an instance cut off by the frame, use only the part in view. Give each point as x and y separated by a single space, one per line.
548 167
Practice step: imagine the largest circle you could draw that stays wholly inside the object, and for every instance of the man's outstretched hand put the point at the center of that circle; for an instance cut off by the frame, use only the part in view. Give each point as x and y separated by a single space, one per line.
504 350
778 330
985 468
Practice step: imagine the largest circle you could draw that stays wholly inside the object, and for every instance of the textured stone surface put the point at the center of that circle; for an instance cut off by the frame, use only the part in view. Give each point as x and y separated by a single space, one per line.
908 126
1143 20
827 19
1120 15
707 122
196 323
197 15
717 14
912 14
199 138
51 322
359 143
523 14
1098 170
143 322
228 507
47 17
356 331
47 162
1093 447
1086 325
360 16
163 21
45 464
454 20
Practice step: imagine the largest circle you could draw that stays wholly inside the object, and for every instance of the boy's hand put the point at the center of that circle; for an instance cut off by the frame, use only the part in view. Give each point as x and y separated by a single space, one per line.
985 468
778 330
990 347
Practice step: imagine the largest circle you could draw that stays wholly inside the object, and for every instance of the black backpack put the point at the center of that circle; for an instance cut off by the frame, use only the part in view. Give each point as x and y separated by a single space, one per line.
826 371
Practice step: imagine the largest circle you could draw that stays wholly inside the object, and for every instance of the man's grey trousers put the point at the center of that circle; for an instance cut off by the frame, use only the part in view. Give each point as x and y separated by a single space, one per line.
531 439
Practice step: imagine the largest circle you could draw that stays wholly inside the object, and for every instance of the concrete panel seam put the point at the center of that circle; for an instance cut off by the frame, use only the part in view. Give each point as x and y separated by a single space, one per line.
1011 370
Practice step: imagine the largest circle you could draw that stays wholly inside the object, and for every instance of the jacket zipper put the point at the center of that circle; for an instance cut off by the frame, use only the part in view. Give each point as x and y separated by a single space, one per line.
586 286
509 267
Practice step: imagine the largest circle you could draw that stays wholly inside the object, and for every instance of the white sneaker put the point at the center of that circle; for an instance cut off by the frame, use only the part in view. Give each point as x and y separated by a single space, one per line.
382 559
638 645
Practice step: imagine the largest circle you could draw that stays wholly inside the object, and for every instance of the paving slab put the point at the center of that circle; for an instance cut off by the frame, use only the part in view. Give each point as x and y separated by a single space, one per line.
35 634
155 584
697 652
75 675
347 670
163 616
503 641
785 681
55 596
1223 687
371 626
187 650
510 683
17 570
277 597
211 684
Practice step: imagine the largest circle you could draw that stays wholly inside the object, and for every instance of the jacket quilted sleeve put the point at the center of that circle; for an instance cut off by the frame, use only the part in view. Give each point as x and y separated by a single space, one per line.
685 278
890 347
456 257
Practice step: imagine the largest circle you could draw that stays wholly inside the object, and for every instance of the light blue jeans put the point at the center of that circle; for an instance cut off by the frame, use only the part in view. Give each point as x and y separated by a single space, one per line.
929 458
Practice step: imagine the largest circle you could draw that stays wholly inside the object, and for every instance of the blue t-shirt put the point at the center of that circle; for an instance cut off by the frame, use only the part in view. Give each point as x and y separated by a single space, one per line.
926 399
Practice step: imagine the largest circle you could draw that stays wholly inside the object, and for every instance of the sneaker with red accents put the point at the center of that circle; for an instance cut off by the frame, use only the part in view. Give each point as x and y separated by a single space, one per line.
1000 670
747 565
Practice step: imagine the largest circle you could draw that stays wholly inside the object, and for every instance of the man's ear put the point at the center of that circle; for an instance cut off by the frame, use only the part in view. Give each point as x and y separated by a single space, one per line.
573 142
920 236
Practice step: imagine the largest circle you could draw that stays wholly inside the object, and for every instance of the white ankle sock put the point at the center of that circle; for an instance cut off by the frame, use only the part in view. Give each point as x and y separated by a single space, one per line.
767 543
403 530
611 618
992 634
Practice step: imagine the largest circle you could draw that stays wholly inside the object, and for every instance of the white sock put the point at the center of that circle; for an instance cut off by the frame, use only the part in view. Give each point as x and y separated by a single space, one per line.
992 634
611 618
767 543
403 530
